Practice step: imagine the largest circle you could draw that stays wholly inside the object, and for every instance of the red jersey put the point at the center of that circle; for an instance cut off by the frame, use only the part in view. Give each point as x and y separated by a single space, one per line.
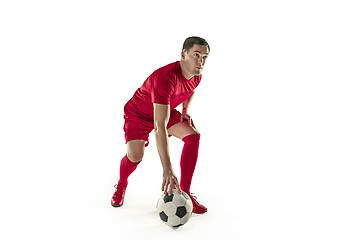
167 85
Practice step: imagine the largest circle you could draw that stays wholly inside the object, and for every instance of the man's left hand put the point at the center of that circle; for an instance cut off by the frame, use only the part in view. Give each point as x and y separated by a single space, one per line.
187 117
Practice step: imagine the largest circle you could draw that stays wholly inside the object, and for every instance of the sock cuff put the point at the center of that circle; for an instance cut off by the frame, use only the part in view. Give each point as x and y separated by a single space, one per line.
130 163
192 137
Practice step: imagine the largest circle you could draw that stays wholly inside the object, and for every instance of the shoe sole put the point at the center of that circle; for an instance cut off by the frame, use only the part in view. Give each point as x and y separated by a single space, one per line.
200 212
116 206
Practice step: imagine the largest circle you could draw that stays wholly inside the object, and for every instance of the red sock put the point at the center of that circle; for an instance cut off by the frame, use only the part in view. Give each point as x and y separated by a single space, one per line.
126 168
188 160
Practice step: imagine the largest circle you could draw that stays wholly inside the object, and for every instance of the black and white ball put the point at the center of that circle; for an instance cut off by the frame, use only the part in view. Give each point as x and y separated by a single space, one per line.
175 210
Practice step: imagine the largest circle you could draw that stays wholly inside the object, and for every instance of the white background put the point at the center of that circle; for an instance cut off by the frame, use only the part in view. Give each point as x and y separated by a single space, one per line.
278 112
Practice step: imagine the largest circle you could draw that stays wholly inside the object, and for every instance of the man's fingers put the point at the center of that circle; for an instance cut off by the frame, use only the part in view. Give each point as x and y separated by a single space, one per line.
167 186
177 186
182 118
163 184
172 183
192 124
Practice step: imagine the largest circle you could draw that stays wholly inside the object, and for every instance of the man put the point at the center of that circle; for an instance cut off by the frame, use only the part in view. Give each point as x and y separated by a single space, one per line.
153 108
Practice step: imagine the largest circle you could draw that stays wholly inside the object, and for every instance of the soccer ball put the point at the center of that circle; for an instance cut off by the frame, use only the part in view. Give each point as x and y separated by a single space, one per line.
175 210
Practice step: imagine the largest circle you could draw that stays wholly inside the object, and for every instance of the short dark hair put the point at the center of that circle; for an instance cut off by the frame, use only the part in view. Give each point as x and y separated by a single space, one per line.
190 41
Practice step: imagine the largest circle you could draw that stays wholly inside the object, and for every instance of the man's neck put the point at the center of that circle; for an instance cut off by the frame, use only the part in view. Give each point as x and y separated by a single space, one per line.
186 74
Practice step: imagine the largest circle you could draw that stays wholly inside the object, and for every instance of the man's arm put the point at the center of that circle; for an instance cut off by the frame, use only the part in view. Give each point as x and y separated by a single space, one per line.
184 114
187 102
161 119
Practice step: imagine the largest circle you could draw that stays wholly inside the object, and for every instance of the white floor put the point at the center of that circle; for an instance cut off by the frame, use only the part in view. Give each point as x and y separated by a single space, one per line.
247 198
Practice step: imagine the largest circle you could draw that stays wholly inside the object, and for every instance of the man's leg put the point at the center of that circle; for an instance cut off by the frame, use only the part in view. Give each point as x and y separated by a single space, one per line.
134 155
191 138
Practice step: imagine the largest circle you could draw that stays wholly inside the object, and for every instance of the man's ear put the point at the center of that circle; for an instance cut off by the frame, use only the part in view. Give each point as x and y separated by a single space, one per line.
183 54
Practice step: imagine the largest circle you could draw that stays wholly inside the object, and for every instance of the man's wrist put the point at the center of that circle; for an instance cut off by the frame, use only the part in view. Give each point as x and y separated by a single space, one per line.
167 168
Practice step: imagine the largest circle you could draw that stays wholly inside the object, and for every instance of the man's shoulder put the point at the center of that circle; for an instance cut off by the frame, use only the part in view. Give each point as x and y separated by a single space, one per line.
166 72
169 68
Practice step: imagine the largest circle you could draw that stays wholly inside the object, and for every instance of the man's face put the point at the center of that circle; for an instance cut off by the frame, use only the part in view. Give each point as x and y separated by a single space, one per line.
195 58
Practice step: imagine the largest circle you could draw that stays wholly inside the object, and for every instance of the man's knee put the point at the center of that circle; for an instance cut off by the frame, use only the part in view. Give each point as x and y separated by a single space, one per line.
189 131
135 156
135 150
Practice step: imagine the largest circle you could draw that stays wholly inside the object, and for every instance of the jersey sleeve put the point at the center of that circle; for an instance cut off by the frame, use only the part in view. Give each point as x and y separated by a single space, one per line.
163 87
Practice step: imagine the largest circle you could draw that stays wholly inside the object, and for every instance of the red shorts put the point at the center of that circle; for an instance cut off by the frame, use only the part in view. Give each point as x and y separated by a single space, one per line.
138 125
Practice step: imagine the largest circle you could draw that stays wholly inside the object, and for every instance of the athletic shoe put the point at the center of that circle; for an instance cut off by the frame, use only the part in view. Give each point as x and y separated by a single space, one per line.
197 207
118 197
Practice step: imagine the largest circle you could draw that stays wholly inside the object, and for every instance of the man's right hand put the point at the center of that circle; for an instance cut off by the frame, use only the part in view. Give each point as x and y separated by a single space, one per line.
170 182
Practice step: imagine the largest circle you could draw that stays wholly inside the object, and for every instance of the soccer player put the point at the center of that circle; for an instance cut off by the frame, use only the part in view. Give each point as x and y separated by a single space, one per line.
152 107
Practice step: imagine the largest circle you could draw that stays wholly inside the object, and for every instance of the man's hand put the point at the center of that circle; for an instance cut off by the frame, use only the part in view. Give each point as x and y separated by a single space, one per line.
185 116
170 182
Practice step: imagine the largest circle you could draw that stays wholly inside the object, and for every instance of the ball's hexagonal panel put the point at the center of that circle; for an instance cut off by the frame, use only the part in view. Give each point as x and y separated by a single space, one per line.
185 195
189 206
173 221
185 218
169 209
160 205
179 200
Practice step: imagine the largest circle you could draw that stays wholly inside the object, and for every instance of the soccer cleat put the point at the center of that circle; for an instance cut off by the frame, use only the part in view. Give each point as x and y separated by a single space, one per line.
197 207
118 197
